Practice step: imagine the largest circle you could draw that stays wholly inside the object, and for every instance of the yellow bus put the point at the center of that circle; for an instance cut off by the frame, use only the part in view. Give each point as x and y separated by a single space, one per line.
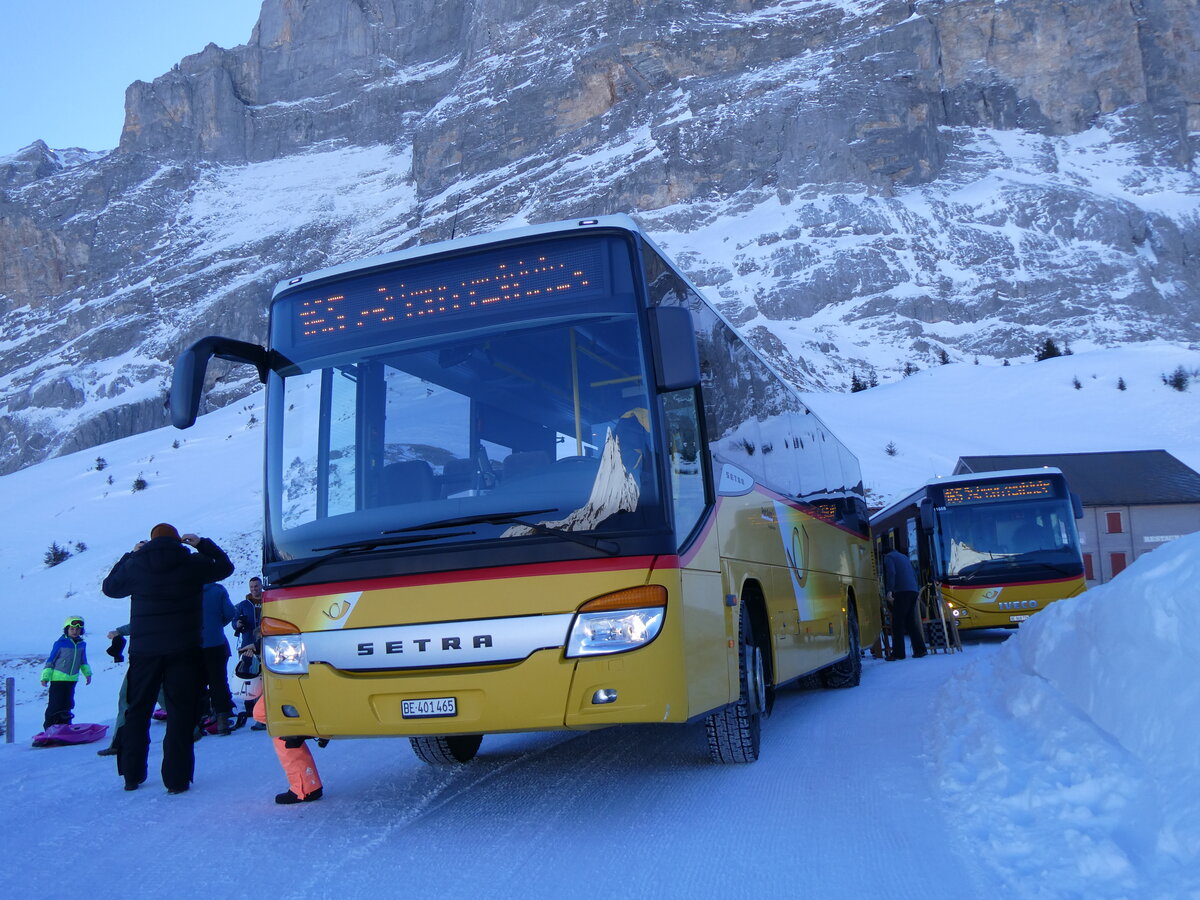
995 547
533 480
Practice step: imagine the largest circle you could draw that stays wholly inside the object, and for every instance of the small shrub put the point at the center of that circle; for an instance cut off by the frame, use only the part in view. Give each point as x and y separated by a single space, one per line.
55 555
175 444
891 449
1007 363
1076 383
909 369
101 463
110 479
80 546
139 483
1120 384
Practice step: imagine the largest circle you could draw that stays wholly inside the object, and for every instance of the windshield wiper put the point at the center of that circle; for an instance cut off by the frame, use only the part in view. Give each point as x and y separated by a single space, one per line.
499 518
340 550
518 518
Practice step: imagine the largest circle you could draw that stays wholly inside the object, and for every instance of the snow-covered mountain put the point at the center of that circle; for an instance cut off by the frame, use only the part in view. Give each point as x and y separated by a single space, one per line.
862 184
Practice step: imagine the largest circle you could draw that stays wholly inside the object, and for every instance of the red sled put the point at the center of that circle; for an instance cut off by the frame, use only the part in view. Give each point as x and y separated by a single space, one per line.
60 735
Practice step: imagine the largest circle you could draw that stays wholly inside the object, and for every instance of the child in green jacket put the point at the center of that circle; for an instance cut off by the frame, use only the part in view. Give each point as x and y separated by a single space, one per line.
66 662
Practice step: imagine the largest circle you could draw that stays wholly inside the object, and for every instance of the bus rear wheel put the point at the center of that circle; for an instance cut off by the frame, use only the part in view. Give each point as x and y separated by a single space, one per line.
734 733
450 750
848 672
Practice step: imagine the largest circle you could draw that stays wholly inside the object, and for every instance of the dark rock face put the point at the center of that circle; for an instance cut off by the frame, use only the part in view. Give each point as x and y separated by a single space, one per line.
959 174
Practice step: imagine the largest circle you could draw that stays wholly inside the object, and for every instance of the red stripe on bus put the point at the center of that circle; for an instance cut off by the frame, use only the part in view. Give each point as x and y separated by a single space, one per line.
571 567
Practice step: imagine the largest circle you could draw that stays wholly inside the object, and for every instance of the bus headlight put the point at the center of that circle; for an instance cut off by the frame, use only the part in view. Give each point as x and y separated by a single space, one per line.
617 622
283 648
284 654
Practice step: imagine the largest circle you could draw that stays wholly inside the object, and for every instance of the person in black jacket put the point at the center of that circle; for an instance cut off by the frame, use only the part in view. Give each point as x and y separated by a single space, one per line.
165 581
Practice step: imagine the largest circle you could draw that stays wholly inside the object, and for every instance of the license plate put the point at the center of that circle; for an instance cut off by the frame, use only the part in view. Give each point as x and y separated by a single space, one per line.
430 708
1017 618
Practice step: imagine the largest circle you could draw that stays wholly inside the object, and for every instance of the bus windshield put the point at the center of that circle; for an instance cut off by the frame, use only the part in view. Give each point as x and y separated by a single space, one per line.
1008 541
542 425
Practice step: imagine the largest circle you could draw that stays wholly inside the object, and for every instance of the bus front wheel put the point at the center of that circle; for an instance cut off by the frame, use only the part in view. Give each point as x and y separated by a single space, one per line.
734 732
448 750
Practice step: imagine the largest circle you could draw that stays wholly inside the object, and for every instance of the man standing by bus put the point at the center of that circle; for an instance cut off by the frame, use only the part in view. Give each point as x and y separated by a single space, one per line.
165 581
900 584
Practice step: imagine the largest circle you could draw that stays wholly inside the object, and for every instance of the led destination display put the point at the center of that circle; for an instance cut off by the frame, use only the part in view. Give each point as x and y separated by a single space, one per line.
996 491
391 300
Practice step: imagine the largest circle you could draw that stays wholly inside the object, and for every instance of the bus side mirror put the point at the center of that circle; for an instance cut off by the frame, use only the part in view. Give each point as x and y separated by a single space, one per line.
188 379
676 359
926 512
1077 505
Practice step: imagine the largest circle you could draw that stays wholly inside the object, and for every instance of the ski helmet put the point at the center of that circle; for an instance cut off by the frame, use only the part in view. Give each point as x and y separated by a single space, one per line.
73 620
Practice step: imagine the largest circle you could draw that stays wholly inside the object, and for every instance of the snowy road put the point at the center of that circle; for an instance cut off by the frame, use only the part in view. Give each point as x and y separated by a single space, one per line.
841 804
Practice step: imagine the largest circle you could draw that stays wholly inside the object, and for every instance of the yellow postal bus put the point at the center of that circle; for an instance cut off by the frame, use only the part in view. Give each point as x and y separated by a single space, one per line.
995 547
532 480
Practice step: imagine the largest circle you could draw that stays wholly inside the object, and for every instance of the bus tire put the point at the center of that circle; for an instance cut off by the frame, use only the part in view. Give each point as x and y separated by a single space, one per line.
734 733
451 750
848 672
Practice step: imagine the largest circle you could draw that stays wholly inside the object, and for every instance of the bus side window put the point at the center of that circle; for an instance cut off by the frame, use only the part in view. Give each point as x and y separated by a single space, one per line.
685 461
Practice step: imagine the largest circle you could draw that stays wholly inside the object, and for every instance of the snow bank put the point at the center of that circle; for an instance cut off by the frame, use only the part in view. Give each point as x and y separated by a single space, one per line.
1079 738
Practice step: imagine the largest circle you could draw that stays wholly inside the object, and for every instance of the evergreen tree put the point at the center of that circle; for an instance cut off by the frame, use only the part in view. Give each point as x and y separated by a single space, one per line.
943 357
1049 350
1007 363
1075 381
909 369
856 383
55 555
1120 384
873 381
1177 379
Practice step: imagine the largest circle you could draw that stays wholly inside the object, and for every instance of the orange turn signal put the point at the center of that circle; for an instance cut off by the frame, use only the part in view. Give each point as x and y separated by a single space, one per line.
278 626
648 595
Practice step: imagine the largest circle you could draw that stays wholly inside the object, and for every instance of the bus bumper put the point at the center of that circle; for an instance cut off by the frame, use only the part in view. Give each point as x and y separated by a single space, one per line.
543 692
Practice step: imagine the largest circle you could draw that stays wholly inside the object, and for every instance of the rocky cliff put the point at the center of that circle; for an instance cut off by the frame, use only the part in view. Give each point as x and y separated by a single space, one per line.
860 183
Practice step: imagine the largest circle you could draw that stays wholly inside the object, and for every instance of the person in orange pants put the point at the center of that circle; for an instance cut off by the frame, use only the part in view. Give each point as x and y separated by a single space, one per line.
304 784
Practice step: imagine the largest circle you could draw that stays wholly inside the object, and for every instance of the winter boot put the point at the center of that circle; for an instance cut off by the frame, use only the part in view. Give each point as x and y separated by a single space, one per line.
287 797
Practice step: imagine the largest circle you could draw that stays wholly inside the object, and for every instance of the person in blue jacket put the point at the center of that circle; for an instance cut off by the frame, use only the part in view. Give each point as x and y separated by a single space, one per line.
66 662
900 584
218 612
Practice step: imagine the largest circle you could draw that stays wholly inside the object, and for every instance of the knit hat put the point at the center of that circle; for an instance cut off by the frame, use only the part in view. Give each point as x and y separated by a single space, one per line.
164 530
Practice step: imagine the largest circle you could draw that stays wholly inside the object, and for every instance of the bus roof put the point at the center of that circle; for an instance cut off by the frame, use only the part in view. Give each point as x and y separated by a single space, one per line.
619 221
969 478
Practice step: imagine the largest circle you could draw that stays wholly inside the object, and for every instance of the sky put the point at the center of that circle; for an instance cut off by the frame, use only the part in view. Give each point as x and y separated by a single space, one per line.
1051 763
64 66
